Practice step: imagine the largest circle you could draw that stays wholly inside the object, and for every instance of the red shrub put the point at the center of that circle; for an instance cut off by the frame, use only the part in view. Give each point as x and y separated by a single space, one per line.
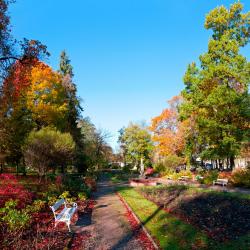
12 189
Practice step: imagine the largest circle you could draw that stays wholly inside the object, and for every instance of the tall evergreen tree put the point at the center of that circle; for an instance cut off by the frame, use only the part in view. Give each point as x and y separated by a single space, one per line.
74 107
65 68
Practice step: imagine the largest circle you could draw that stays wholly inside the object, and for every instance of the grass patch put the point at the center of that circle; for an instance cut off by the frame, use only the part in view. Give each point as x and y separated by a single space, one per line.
169 231
118 176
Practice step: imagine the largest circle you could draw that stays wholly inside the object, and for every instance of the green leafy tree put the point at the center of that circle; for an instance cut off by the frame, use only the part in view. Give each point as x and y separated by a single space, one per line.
96 151
216 93
135 141
47 148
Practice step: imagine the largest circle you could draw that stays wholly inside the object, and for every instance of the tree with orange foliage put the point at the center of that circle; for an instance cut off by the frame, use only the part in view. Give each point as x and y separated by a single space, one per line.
168 131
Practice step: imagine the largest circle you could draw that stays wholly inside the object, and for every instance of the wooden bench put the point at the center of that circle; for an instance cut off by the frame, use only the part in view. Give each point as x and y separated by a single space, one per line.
65 214
184 178
222 182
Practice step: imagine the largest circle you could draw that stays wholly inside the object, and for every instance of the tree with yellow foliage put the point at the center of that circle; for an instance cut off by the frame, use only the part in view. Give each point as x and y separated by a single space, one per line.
46 97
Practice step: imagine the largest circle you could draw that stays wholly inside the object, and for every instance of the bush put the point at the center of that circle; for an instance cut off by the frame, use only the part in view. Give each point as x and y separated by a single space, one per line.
13 218
168 165
175 176
73 183
241 178
46 148
210 176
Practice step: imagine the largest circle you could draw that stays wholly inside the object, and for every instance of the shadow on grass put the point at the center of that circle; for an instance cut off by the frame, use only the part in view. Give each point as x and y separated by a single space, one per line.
169 232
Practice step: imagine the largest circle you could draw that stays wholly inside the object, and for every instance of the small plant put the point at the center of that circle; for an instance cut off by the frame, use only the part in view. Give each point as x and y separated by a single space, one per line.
36 206
67 196
13 218
82 196
241 178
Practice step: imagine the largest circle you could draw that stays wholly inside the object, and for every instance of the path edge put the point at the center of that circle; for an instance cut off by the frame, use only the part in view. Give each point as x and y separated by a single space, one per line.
138 221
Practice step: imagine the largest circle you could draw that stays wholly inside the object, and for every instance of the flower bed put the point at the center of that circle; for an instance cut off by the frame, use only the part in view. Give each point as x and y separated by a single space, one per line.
28 223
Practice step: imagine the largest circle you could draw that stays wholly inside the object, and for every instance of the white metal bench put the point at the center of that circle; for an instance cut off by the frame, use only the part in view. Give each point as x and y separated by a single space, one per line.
222 182
65 214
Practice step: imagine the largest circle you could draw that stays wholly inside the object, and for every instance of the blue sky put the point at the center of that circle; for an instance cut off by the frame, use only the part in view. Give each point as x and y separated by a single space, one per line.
129 56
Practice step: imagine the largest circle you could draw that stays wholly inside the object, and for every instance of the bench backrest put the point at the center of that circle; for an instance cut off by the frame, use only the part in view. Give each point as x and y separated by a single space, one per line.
223 180
57 205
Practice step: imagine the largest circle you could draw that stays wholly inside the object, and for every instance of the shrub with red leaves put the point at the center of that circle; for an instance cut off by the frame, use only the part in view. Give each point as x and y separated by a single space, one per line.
12 189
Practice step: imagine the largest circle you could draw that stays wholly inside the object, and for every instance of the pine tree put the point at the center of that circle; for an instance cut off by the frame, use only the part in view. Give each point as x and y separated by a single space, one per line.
65 68
74 107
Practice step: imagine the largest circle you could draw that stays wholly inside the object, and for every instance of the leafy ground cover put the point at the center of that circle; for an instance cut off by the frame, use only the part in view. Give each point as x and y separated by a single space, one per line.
27 222
183 229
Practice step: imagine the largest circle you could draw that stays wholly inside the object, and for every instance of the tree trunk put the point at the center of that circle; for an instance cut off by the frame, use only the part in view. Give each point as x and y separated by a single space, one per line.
17 168
24 171
232 164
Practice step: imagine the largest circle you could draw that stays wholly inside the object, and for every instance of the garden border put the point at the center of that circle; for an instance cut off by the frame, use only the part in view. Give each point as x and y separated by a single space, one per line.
138 221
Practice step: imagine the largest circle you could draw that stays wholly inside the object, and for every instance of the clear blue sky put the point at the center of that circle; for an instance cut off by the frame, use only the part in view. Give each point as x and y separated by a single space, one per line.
129 56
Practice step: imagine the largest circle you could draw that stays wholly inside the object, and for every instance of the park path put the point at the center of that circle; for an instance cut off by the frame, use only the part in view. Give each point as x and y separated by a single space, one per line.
108 225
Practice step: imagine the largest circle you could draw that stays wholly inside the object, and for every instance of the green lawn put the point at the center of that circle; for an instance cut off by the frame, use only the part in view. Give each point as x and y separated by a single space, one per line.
169 231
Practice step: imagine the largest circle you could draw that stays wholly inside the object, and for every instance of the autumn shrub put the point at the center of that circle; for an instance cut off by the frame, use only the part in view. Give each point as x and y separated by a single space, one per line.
241 177
12 189
225 175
